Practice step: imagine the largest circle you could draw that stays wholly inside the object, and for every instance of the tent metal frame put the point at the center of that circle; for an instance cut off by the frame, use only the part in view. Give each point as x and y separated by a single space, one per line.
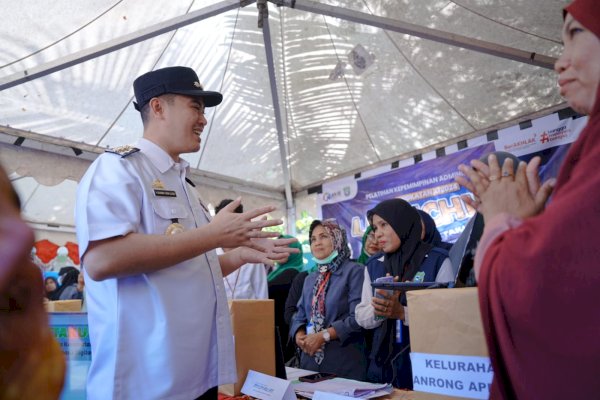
121 42
227 5
306 5
283 153
69 148
422 32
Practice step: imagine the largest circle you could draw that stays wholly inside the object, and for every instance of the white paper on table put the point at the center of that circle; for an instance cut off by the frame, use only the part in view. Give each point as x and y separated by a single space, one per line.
377 394
329 396
344 387
266 387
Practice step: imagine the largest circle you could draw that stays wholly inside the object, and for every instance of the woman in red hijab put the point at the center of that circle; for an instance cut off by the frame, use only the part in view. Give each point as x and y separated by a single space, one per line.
32 364
538 272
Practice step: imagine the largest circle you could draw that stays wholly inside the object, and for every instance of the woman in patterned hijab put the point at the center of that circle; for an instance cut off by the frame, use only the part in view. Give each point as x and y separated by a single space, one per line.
324 326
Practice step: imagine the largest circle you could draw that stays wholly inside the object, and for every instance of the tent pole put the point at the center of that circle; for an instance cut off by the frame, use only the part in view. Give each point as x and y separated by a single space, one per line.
435 35
121 42
290 207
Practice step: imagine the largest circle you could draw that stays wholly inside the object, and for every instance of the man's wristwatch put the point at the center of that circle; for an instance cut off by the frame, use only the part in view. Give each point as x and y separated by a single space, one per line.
326 336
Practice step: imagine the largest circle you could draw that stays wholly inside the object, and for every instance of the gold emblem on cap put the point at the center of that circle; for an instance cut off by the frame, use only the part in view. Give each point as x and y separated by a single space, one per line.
174 229
198 85
157 184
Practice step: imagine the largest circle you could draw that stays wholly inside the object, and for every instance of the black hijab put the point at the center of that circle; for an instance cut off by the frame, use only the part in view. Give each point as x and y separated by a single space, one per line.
51 295
432 235
69 278
406 222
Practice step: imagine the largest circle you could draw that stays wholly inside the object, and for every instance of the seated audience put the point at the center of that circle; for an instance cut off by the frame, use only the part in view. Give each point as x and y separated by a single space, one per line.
68 277
370 247
324 326
51 288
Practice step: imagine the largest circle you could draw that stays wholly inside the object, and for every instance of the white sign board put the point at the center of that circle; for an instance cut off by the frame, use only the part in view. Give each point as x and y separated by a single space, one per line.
452 375
266 387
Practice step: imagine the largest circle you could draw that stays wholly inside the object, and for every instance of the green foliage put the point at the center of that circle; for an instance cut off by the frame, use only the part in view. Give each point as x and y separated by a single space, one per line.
302 227
279 229
303 223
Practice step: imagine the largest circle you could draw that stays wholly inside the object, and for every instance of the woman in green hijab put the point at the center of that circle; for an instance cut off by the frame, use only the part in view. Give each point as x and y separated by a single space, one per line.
280 281
370 246
293 265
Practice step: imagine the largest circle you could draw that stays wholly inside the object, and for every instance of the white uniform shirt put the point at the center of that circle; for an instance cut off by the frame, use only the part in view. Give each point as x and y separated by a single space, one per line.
247 282
165 334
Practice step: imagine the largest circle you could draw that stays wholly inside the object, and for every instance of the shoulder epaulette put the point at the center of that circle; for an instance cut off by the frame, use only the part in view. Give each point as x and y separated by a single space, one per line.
123 151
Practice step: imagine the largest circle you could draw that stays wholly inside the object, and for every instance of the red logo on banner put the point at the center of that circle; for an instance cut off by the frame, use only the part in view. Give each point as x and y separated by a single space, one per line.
562 132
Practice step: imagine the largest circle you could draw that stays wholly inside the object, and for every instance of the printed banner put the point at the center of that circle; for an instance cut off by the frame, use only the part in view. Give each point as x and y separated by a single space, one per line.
71 332
428 185
544 133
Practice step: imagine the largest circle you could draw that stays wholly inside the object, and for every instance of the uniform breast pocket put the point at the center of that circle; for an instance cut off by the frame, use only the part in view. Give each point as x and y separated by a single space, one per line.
167 212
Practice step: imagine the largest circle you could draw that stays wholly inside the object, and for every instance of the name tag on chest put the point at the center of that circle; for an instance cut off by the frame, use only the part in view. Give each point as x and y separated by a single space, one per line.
164 193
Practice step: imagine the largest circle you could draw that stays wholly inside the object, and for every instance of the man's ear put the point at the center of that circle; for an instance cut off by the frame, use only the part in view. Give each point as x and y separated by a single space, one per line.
156 107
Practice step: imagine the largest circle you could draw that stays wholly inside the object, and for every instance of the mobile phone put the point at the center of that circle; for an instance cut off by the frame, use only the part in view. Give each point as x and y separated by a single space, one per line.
318 377
383 279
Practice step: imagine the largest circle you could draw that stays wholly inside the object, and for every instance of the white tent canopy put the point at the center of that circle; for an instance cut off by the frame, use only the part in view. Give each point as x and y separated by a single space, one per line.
322 90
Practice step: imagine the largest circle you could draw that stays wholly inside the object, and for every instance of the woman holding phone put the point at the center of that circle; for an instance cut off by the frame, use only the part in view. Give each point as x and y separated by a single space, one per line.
398 229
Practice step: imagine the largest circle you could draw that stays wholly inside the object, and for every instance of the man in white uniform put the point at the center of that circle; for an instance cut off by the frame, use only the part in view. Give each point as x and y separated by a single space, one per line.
158 316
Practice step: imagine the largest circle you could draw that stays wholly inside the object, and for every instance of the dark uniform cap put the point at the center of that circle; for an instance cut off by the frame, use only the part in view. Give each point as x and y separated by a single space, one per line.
176 80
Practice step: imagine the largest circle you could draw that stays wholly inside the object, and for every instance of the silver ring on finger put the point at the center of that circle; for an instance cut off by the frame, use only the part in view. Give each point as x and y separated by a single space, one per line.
493 178
506 174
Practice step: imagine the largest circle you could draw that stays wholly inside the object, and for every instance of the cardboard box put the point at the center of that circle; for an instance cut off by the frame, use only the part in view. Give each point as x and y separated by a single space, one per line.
448 349
64 306
253 324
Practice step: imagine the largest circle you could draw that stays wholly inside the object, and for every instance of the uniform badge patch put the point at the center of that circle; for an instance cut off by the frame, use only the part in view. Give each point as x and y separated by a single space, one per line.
165 193
157 184
419 277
